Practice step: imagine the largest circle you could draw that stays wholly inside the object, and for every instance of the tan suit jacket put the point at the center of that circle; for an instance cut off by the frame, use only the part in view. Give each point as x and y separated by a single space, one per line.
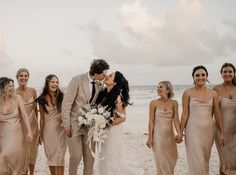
77 95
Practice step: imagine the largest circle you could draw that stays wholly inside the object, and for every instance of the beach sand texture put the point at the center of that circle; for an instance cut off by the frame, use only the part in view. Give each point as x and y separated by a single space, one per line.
135 149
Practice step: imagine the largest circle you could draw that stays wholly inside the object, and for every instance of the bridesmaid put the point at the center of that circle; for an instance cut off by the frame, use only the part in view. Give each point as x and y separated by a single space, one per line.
51 131
199 104
28 96
13 155
163 112
227 92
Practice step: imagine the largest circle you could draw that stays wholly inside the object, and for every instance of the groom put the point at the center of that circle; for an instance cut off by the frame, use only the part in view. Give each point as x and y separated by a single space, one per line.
81 91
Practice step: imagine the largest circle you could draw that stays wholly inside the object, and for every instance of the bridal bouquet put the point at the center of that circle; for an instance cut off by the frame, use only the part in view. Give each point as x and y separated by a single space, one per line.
95 119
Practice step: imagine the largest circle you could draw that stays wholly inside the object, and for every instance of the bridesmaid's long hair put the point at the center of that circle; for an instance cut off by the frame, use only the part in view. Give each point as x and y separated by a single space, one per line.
42 98
233 67
121 88
3 82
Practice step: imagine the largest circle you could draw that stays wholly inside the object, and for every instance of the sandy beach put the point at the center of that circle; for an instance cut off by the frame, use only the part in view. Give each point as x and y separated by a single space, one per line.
136 150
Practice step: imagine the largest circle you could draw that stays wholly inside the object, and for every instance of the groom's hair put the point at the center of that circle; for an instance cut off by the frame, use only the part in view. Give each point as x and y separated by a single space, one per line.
98 66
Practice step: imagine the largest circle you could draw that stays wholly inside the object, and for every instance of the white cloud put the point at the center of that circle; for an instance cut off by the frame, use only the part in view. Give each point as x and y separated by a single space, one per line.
231 24
137 20
185 37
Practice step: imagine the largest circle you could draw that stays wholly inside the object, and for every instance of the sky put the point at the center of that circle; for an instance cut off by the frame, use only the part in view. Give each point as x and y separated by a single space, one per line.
147 40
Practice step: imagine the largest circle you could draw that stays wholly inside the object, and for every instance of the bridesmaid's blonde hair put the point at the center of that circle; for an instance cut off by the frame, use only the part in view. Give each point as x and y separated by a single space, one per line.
169 88
22 70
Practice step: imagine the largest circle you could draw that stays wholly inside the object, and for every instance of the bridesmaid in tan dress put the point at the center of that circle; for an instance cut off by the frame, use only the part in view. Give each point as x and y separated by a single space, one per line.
28 96
163 112
199 105
227 92
13 155
51 131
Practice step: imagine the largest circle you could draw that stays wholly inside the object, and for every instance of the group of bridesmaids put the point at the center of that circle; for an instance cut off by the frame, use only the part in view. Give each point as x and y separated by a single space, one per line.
18 109
197 126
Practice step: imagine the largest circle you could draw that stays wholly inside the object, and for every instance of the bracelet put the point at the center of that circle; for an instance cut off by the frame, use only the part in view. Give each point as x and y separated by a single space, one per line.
120 114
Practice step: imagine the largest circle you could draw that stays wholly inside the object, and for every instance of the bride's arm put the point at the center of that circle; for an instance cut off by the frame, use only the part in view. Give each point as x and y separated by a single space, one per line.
120 112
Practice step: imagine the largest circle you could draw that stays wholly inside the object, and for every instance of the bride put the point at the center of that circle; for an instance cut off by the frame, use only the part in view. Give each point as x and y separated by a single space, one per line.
116 98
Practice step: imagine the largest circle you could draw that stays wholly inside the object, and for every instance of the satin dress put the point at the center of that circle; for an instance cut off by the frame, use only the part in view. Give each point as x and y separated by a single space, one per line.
227 153
199 136
55 143
32 148
164 145
13 152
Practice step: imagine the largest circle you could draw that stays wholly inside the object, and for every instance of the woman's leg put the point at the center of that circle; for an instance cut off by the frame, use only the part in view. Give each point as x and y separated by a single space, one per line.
31 168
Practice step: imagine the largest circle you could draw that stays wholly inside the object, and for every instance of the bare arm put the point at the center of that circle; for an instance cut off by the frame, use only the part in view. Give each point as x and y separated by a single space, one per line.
217 114
152 109
35 104
121 112
25 118
185 113
41 124
176 118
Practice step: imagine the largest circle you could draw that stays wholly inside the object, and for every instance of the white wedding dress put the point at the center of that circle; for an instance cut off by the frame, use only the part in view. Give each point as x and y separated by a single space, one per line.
112 149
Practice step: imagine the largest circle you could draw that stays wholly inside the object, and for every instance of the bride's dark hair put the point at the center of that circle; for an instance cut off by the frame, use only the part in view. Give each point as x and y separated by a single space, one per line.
121 88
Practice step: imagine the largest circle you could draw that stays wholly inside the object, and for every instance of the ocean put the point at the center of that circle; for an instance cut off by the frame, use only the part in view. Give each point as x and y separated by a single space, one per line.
140 97
138 113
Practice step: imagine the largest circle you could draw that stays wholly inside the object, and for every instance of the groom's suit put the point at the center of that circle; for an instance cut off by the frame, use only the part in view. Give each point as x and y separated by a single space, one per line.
78 95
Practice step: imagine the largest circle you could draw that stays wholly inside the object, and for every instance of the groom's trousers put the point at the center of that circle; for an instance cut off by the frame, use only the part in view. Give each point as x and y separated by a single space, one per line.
77 149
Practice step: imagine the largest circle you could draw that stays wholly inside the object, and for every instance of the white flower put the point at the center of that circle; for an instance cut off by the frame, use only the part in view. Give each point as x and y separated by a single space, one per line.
95 119
101 110
93 110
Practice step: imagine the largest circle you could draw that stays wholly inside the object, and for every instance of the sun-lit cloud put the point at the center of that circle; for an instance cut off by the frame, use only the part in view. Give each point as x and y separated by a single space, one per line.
184 37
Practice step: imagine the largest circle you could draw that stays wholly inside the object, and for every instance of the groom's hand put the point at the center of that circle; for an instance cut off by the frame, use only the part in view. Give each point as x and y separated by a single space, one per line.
68 131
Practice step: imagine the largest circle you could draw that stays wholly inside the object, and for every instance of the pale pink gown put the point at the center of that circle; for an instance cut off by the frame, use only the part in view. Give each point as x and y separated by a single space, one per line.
227 153
164 145
33 146
55 143
199 136
13 153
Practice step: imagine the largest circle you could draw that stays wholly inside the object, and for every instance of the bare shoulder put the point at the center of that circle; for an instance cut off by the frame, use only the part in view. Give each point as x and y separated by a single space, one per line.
217 88
188 92
174 103
17 98
32 90
153 102
212 92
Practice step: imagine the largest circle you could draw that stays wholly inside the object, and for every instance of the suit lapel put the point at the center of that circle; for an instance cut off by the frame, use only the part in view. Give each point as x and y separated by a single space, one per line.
85 84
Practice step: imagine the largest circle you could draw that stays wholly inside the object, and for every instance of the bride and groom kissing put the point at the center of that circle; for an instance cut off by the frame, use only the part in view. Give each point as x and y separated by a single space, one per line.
87 89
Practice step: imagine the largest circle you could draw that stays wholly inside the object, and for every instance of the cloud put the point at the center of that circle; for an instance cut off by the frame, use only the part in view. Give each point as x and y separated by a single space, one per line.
4 59
231 23
184 37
